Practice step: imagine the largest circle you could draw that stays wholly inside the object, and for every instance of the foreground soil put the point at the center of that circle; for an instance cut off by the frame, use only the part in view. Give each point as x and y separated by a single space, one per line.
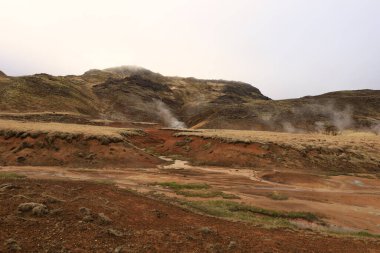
89 217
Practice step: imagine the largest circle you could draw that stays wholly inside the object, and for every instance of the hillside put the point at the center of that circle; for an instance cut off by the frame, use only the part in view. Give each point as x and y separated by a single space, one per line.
134 94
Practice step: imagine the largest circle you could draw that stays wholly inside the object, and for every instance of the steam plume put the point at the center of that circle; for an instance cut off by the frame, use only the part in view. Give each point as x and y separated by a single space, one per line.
167 116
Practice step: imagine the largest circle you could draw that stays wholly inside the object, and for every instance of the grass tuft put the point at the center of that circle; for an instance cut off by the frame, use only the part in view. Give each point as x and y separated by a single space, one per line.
366 234
277 196
178 186
11 175
207 194
230 209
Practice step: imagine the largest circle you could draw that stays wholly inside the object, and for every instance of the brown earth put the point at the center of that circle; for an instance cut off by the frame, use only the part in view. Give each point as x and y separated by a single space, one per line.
250 168
89 217
206 150
47 150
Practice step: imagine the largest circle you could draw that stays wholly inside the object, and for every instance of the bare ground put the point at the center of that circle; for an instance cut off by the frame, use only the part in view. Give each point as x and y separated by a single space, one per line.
89 217
66 174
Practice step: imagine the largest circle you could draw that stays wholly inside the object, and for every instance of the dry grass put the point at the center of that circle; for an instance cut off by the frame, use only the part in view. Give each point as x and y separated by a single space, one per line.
86 130
356 142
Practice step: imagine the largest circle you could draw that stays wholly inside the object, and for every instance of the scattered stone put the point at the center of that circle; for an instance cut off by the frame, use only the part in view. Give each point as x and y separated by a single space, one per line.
85 210
104 140
57 212
214 248
119 249
232 245
25 207
90 156
12 245
34 135
21 159
36 208
159 214
51 199
40 210
206 230
8 186
88 218
115 232
104 219
24 135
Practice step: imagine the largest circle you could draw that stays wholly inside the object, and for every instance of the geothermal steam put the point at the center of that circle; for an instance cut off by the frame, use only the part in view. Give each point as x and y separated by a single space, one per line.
167 116
327 113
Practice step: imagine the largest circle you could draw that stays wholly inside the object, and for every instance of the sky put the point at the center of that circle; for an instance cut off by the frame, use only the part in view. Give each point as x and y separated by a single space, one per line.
286 48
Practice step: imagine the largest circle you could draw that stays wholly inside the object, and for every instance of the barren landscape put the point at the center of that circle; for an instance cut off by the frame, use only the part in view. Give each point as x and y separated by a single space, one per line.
127 160
167 190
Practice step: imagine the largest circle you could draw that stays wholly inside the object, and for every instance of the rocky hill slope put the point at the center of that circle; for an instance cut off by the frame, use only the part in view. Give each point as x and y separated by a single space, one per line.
133 94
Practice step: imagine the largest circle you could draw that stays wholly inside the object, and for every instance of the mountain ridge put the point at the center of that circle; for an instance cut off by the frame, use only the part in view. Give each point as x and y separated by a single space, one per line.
130 93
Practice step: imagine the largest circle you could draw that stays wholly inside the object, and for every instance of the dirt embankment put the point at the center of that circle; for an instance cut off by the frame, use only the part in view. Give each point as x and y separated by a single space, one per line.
216 151
69 216
74 150
56 144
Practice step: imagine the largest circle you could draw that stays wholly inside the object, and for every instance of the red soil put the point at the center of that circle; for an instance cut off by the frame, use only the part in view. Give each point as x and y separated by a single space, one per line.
137 224
75 153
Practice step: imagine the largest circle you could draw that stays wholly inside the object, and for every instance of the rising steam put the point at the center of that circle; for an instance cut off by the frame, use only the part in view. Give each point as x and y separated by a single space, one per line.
167 116
324 116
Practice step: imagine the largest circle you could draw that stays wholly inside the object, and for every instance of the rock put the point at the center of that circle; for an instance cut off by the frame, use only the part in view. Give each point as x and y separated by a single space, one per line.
12 245
119 249
159 214
40 210
51 200
104 219
57 212
36 208
85 210
206 230
21 159
91 156
24 135
232 245
88 218
214 248
25 207
8 186
115 232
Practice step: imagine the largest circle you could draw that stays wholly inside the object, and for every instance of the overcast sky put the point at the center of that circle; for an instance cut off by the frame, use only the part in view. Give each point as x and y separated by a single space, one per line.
286 48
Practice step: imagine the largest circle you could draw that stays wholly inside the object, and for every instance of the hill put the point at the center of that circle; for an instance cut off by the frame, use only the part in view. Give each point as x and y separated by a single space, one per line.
134 94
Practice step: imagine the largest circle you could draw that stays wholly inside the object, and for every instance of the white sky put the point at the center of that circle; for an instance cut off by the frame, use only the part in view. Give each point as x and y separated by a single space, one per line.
286 48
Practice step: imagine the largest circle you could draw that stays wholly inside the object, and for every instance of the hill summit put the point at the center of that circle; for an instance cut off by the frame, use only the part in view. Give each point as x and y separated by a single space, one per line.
135 94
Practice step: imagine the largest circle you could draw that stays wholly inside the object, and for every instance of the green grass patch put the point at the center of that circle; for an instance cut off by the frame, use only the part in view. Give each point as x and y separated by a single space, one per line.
366 234
277 196
230 209
178 186
11 175
206 194
104 181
